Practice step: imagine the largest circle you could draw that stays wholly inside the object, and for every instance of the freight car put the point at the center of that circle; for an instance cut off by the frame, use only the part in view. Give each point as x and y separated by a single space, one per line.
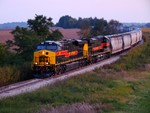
55 57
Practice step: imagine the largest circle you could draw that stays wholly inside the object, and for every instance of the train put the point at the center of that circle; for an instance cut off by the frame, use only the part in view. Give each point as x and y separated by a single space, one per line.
55 57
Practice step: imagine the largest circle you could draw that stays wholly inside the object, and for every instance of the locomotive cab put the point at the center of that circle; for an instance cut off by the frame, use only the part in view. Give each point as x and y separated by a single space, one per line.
45 53
45 58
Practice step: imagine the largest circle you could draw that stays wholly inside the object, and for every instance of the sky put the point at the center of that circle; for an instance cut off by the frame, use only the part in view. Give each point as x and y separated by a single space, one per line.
121 10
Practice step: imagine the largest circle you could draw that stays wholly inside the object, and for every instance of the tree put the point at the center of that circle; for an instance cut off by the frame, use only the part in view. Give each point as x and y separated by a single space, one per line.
148 25
25 41
100 27
55 35
113 26
5 54
85 24
40 25
85 29
2 53
93 27
67 22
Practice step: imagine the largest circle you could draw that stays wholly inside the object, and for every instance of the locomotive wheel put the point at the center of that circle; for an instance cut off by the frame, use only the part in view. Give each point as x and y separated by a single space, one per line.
57 70
95 59
84 63
81 63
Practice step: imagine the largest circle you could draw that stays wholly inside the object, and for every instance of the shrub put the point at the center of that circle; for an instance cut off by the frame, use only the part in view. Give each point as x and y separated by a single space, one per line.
14 73
9 74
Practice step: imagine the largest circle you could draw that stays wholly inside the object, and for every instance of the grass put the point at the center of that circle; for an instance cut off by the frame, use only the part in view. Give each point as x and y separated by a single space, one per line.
8 74
91 88
14 73
106 90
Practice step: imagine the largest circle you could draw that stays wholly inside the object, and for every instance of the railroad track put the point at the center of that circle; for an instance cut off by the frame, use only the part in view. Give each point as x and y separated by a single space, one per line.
34 84
18 85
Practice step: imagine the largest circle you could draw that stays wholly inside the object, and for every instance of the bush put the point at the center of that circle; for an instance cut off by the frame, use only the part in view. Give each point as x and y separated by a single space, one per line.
26 72
9 74
14 73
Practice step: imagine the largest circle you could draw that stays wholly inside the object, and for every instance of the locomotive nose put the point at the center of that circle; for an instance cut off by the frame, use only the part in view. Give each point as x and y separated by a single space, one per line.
44 60
44 57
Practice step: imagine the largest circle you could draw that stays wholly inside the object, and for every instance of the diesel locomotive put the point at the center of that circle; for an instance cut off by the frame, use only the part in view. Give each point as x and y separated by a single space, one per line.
55 57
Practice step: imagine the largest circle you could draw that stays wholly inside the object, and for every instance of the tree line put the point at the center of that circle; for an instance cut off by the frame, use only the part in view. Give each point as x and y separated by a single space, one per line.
93 26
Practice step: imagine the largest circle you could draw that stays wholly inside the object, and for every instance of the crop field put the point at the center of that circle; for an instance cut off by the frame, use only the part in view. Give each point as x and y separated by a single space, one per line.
67 33
5 35
146 30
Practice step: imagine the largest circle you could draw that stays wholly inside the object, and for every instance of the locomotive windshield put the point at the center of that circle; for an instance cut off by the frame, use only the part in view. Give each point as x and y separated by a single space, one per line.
40 47
51 47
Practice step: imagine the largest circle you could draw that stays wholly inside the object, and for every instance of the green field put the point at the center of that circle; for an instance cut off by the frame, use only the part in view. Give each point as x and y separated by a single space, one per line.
123 87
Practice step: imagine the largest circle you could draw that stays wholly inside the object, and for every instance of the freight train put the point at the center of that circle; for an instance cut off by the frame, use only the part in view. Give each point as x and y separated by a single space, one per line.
55 57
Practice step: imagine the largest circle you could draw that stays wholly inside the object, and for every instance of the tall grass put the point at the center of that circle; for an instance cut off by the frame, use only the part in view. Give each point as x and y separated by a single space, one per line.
14 73
9 74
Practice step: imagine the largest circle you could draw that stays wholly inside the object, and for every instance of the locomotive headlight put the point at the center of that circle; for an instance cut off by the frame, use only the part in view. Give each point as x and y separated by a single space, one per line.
46 63
43 52
36 63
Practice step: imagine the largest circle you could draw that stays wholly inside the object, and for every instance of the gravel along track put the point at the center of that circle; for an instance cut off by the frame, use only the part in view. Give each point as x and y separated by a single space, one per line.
34 84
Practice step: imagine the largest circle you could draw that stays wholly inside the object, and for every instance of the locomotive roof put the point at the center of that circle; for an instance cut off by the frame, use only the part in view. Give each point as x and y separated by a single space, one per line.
61 43
53 42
